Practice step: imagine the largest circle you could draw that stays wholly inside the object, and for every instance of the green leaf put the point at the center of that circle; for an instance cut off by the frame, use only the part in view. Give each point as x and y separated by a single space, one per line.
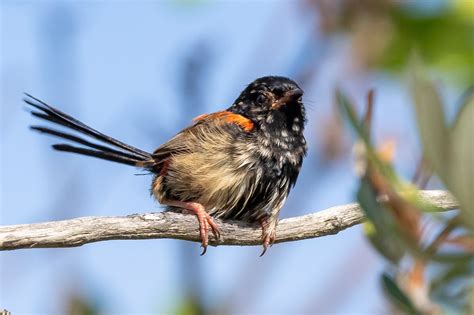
453 272
461 173
382 233
453 286
398 296
347 108
444 39
189 305
431 120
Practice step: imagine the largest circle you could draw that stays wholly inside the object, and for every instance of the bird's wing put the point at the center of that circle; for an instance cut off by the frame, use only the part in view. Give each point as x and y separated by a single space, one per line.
206 128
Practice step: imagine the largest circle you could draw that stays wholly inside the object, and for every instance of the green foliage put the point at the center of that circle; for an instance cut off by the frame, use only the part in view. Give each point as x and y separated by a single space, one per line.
78 304
348 111
393 226
397 296
449 150
445 41
431 123
461 166
382 234
189 305
450 287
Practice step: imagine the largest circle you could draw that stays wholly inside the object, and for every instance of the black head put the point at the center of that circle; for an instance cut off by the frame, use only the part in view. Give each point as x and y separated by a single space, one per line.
271 100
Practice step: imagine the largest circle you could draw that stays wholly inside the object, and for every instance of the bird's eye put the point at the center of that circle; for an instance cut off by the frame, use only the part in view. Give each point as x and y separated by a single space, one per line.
278 92
261 99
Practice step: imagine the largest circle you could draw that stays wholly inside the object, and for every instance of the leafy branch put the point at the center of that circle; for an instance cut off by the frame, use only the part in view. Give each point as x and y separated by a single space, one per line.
406 230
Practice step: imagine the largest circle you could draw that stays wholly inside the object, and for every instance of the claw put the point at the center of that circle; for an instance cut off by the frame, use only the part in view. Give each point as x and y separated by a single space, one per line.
268 238
268 241
204 250
207 222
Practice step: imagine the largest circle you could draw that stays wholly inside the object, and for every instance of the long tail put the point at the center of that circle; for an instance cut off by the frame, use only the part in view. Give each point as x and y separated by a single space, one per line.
121 153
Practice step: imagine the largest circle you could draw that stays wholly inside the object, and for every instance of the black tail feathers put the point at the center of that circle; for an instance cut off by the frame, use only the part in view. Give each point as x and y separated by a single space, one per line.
123 153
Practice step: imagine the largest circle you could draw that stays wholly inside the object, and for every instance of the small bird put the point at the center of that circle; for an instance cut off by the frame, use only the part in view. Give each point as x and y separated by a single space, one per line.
237 164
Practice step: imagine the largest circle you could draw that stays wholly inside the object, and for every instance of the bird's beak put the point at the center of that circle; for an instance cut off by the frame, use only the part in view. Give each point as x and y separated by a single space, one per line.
292 95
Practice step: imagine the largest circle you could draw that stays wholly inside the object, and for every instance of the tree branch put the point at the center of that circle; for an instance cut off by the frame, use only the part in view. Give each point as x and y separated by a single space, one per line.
80 231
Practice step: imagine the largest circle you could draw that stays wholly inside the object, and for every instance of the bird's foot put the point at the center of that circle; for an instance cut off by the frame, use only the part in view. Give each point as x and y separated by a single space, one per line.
268 234
205 221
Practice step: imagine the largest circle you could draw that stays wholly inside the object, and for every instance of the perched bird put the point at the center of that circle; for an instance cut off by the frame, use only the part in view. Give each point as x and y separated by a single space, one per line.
237 164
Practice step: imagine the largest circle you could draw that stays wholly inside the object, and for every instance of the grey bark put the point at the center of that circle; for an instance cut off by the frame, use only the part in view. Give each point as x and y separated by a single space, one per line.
80 231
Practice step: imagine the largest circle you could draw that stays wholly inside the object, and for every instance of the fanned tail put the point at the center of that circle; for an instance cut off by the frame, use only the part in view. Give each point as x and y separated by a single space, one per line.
120 153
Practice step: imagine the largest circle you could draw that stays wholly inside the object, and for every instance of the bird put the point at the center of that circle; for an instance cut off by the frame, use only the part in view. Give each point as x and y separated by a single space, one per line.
236 164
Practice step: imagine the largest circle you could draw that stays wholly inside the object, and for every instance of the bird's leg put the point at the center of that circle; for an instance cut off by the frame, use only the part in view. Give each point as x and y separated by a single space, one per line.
268 233
204 219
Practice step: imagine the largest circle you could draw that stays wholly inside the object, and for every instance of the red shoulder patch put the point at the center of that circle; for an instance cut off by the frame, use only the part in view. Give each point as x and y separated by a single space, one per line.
228 117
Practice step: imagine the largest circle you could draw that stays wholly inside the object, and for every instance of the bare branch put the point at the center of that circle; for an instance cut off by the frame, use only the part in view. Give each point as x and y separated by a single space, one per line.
80 231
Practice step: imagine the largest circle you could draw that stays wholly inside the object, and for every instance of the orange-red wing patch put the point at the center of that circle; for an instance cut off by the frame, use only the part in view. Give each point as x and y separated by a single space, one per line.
228 117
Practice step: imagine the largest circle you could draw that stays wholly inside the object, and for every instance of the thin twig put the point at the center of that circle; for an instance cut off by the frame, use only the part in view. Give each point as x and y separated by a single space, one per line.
369 112
80 231
442 235
422 174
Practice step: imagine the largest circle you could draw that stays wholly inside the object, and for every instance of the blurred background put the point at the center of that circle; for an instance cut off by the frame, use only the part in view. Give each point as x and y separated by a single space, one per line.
140 71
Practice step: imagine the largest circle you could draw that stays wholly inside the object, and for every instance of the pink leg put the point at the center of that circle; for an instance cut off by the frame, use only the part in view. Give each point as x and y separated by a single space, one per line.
268 234
205 220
